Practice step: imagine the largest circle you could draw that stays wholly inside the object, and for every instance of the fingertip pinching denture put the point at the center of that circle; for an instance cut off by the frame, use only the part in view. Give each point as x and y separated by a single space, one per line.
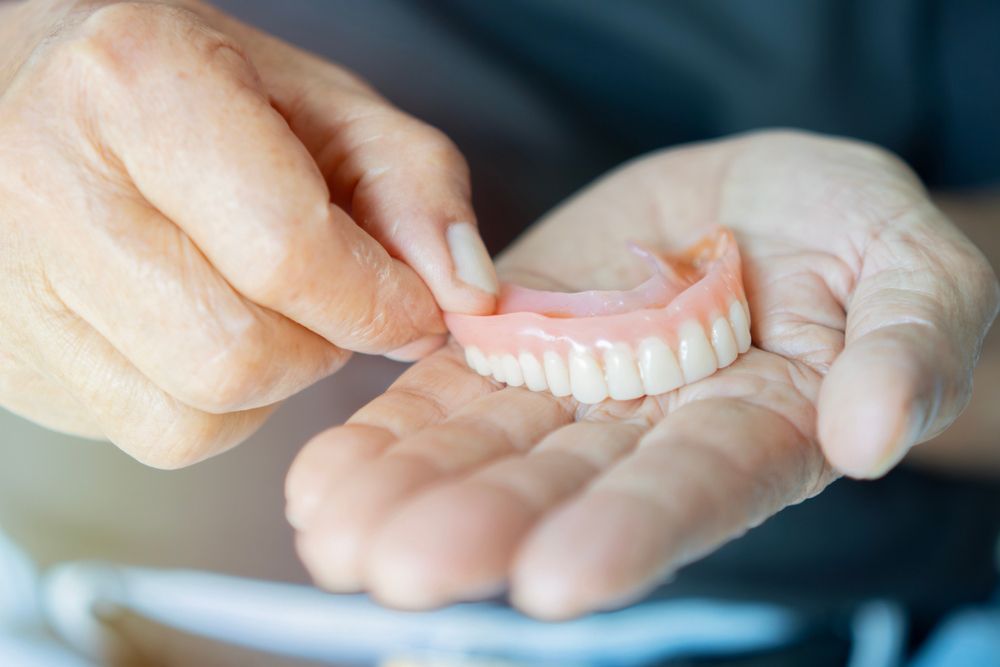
683 324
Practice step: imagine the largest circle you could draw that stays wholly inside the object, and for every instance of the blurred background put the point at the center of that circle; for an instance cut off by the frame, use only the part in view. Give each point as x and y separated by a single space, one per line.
542 97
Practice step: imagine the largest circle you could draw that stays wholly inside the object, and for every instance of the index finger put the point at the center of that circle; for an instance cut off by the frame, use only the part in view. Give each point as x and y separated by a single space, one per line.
194 130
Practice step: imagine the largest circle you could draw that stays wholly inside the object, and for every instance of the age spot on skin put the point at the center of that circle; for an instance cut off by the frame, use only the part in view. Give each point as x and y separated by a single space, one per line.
683 324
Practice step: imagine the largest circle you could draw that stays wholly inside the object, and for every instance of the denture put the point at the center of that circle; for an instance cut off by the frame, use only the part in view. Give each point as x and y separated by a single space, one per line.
681 325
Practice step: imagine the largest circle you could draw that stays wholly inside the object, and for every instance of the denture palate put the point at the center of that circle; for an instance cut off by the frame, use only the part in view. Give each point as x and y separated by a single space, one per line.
681 325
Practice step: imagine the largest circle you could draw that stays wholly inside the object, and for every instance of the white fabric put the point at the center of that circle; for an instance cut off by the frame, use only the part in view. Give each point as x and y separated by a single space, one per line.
23 638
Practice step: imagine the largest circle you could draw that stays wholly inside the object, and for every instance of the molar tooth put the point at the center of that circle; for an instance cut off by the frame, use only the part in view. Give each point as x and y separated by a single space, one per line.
658 366
477 360
556 374
512 371
534 374
694 351
723 342
497 368
586 378
624 382
741 325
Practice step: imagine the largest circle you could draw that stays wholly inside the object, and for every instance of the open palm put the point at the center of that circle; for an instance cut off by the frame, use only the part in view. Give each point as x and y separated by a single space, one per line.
868 309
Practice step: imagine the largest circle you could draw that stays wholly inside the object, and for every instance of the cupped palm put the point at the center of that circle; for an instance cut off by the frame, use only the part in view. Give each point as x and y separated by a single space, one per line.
867 309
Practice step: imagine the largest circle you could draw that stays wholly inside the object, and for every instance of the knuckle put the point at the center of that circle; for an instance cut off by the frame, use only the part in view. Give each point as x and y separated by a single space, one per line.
180 437
126 41
281 255
233 377
124 33
437 148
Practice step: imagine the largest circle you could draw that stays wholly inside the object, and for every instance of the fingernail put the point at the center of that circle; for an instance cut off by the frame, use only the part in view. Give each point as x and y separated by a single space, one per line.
418 349
473 265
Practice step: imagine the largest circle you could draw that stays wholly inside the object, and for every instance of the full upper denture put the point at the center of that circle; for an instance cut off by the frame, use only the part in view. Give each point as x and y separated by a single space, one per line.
684 323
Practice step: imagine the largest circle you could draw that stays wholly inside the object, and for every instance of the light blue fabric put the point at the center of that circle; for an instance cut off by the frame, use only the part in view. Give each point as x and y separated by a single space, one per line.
878 635
304 622
967 638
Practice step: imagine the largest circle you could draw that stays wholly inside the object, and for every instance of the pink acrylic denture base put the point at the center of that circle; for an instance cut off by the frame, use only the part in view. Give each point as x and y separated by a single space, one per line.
699 283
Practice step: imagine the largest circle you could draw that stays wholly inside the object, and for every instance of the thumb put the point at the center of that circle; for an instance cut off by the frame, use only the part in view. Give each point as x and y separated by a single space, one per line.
915 325
400 179
409 188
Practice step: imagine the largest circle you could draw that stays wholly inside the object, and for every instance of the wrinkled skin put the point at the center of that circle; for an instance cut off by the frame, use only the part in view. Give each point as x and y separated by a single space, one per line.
868 310
198 220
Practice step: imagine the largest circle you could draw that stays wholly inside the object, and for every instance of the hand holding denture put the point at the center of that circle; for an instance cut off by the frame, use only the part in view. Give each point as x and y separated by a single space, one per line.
198 220
867 306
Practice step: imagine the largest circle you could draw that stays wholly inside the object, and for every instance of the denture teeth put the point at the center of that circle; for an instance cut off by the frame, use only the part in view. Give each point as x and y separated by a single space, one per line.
696 356
652 369
622 375
497 368
477 360
741 325
534 374
556 374
586 378
512 371
658 367
723 342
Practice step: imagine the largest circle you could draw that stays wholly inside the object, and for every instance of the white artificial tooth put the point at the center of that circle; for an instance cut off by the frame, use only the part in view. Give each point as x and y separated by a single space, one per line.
723 342
556 374
534 374
512 371
484 366
477 360
741 326
658 366
695 352
497 368
624 382
586 378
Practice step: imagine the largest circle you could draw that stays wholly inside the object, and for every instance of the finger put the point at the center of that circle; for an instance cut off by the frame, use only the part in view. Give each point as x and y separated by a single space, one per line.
141 283
424 395
235 178
455 542
915 326
404 181
702 476
129 410
335 542
27 393
418 349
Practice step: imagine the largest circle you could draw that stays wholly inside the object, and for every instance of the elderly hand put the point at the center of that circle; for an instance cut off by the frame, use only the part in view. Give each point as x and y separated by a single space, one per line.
197 220
868 312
